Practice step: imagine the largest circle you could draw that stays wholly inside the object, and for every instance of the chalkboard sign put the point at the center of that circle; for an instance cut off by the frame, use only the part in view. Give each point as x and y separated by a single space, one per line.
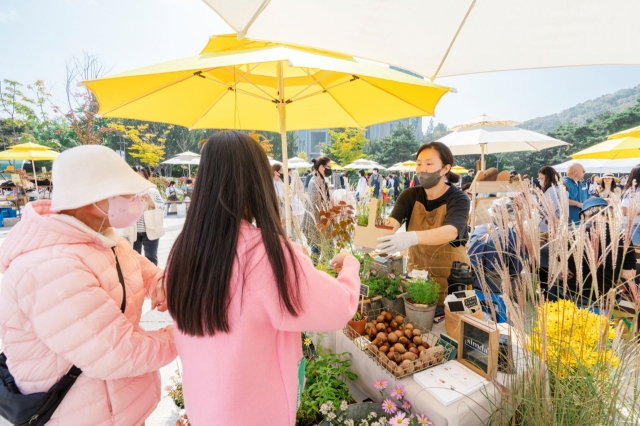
478 346
364 290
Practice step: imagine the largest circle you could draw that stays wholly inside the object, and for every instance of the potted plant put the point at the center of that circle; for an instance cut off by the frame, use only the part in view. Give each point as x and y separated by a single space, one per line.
358 322
421 300
392 294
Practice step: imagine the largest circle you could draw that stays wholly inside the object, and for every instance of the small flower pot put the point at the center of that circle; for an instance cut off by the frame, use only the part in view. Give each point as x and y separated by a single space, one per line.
358 326
420 315
396 305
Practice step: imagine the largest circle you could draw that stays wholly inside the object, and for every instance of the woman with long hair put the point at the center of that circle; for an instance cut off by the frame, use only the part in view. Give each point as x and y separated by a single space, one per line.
549 180
631 203
240 293
593 184
608 186
318 200
362 190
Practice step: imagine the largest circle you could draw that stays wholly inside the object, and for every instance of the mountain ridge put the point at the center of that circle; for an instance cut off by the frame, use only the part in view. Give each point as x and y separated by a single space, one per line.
580 113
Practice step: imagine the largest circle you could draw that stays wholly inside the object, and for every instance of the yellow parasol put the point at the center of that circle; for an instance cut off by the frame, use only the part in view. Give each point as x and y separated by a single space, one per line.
459 170
29 151
255 85
625 144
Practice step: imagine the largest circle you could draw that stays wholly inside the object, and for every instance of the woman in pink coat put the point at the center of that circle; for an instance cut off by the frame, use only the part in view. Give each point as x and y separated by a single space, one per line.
240 293
61 298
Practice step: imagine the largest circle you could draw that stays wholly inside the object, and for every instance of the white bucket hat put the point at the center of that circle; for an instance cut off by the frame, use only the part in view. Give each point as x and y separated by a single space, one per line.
90 173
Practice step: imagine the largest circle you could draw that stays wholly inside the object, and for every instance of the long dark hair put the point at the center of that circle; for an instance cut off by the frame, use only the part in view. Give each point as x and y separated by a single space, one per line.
139 169
445 156
633 182
550 177
202 258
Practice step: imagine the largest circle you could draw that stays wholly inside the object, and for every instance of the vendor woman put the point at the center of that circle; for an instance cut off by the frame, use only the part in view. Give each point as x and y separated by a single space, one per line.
436 214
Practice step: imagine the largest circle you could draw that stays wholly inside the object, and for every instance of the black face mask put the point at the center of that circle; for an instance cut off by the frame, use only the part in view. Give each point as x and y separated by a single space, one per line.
281 175
327 172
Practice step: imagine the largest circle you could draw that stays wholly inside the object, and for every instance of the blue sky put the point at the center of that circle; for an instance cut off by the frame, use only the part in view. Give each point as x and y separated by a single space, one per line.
37 37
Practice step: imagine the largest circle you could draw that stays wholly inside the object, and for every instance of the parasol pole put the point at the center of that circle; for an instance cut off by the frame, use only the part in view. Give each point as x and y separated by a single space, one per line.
282 112
482 164
35 176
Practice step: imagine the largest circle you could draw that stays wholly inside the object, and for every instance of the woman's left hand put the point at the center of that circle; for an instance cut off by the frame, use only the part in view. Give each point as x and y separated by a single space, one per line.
147 199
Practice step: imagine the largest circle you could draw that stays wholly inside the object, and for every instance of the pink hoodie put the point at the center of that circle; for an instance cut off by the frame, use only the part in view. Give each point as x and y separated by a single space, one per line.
250 375
60 305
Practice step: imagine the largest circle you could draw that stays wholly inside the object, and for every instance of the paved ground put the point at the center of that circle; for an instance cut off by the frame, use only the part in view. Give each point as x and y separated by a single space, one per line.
167 412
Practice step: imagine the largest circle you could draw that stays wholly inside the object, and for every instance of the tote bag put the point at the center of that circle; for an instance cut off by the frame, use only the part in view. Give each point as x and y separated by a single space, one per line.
153 221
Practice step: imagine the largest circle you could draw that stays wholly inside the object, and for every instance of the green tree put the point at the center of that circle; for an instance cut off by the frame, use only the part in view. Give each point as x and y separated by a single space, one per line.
276 144
18 112
346 145
400 145
435 131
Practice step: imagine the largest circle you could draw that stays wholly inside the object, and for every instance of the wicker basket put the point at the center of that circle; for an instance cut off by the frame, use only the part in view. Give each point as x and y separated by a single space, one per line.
435 355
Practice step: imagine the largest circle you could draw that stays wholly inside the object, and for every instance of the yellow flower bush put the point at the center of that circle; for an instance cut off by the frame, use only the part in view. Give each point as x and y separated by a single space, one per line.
568 338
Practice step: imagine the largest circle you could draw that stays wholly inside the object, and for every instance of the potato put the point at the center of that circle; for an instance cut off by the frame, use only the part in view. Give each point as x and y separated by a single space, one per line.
409 326
399 371
388 317
407 366
380 318
384 348
400 320
393 338
408 333
403 341
410 356
382 336
398 347
373 323
382 358
419 364
372 333
373 349
391 366
417 332
411 345
380 327
377 342
426 345
420 348
417 340
393 325
399 333
414 351
389 330
397 357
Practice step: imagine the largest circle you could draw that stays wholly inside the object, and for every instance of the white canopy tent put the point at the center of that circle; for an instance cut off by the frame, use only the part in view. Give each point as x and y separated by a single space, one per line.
363 163
489 135
298 163
462 36
600 166
186 158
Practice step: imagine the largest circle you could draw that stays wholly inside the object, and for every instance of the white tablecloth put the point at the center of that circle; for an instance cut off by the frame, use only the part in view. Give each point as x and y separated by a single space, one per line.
473 410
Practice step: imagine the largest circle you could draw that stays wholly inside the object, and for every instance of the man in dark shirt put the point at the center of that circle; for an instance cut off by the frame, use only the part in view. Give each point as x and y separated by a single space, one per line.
468 178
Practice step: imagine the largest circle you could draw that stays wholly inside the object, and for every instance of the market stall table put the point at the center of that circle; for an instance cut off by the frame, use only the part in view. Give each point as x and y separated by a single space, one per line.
473 410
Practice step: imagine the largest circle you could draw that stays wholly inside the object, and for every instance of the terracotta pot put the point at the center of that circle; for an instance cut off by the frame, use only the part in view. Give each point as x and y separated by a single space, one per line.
358 326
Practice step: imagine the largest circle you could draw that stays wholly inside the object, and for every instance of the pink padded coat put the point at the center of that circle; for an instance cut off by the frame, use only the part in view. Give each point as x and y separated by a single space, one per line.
60 304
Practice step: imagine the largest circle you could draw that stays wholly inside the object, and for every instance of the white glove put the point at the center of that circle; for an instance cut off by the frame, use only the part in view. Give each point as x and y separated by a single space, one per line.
397 242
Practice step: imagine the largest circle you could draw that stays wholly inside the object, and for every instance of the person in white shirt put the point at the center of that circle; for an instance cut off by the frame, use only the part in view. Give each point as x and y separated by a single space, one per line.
363 186
153 200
